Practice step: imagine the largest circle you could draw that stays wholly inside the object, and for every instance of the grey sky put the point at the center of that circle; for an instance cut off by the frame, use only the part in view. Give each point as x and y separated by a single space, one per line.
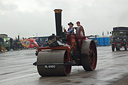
31 17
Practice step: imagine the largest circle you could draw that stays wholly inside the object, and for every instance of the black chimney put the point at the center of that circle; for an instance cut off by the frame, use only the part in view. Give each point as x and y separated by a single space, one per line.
58 21
18 38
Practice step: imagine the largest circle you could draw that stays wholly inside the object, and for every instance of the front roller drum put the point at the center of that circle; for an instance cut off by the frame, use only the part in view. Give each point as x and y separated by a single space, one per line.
89 58
54 58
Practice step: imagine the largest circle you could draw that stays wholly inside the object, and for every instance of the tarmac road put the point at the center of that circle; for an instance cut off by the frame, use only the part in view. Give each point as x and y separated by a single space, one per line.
112 69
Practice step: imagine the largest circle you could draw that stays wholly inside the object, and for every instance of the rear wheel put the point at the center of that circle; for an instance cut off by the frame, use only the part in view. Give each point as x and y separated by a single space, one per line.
89 58
3 49
8 49
14 47
20 46
125 47
113 48
117 49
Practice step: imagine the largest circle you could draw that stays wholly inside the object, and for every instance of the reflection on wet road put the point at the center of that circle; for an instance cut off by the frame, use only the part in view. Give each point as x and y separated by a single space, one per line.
16 69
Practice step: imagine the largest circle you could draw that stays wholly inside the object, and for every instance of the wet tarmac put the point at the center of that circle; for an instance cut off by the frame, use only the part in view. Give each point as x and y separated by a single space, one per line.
112 69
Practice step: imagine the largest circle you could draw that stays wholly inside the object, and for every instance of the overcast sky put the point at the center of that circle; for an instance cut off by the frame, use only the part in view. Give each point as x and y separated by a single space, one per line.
36 17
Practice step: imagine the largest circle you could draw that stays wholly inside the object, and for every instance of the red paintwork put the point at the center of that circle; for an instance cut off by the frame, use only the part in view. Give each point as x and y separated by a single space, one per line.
116 43
33 43
71 45
72 41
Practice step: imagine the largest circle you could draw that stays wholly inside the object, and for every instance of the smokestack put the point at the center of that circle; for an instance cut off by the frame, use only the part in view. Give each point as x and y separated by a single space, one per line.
58 21
18 38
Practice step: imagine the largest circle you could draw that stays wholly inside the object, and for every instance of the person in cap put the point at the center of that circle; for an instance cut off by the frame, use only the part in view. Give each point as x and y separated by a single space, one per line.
70 29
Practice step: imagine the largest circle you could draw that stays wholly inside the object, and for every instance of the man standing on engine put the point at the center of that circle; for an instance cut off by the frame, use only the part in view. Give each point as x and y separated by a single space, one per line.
78 24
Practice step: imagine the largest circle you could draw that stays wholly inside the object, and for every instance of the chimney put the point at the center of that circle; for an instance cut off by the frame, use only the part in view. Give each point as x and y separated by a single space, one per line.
58 21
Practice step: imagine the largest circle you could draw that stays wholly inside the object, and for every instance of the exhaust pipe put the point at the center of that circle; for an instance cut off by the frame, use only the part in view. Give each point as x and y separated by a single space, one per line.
58 21
18 38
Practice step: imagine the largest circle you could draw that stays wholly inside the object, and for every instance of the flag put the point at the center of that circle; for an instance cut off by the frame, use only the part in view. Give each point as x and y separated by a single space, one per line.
107 32
102 33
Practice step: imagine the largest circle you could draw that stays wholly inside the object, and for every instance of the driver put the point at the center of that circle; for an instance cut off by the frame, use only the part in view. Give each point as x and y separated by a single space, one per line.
70 29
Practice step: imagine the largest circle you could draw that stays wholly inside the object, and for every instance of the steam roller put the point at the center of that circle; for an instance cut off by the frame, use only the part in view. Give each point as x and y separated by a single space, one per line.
65 50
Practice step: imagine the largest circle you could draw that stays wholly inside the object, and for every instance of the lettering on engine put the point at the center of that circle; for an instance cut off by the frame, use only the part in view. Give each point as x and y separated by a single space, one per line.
50 66
52 40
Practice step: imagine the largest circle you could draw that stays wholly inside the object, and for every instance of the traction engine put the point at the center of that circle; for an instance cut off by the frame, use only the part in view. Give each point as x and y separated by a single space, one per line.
66 50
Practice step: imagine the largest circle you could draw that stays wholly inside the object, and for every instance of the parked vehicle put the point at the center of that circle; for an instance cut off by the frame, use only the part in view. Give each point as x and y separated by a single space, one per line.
119 38
42 41
3 35
17 45
5 43
2 48
29 43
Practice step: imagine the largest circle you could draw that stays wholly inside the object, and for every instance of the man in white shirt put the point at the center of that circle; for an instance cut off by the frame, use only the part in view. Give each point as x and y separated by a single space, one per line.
78 24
